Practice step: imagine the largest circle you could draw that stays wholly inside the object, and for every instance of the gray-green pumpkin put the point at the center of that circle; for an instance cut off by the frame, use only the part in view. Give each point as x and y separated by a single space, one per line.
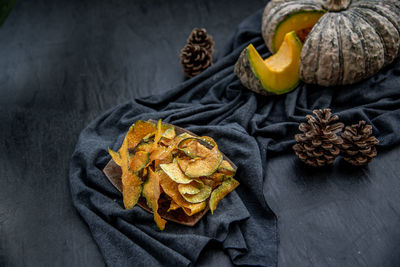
345 41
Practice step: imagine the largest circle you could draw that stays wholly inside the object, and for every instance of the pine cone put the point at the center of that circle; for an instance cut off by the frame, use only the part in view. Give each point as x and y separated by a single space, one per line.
319 143
201 38
195 59
358 146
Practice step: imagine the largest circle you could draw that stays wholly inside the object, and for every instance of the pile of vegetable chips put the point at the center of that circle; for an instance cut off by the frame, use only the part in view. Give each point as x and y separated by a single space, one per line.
188 171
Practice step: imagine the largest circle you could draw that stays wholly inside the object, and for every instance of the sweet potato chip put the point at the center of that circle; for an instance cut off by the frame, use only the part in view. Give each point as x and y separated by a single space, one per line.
189 147
169 133
145 146
209 141
194 208
151 191
218 177
171 189
220 192
161 155
140 130
166 142
123 151
138 161
131 183
175 173
226 168
173 206
208 181
115 156
191 188
158 135
131 188
202 167
201 196
201 150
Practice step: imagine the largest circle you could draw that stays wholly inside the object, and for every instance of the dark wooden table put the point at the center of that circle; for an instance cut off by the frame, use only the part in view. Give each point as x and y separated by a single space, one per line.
62 63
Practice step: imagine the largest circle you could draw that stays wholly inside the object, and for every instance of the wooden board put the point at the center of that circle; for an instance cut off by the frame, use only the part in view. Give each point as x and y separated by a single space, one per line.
113 172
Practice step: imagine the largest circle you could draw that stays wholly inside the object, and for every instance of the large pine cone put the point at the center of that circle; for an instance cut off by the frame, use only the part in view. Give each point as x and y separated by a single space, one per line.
201 38
319 143
358 146
195 59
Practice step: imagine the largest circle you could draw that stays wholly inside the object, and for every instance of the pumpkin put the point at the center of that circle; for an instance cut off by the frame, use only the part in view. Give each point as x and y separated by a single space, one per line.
345 41
278 74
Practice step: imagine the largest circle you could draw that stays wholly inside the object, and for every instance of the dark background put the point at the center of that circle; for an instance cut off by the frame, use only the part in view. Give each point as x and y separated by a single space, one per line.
62 63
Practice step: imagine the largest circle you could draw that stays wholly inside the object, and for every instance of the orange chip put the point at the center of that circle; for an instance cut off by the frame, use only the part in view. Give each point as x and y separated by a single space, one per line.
123 151
144 146
218 177
226 168
115 156
194 208
221 191
138 161
151 191
139 130
201 167
131 188
173 206
171 189
158 135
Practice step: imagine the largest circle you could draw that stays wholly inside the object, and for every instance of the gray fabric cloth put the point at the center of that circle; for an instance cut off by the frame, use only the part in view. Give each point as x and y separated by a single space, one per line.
255 132
213 104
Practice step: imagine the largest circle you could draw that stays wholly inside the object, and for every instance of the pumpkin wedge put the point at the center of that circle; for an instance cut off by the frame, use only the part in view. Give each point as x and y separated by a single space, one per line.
301 22
278 74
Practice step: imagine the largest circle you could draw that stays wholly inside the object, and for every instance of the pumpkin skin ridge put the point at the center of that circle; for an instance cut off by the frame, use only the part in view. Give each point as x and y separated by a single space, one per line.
375 63
383 13
362 61
362 41
387 53
378 34
385 9
323 77
340 47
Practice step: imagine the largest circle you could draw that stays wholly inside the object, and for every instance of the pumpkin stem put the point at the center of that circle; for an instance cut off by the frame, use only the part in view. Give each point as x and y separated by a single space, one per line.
335 5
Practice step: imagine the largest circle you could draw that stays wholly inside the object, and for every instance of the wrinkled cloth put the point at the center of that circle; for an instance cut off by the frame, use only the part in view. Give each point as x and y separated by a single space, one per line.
250 130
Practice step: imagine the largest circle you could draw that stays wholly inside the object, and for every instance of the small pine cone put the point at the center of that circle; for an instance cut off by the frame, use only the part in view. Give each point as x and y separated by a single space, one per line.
195 59
318 144
358 146
201 38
